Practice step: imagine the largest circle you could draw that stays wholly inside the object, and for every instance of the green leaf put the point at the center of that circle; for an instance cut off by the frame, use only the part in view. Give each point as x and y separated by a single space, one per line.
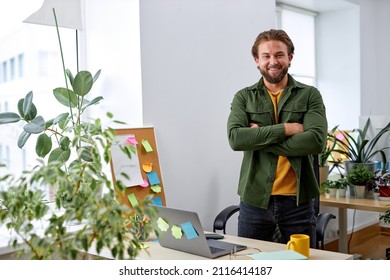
23 137
43 145
63 96
85 153
9 117
65 143
59 155
82 83
27 104
96 76
31 114
70 76
57 119
36 126
92 102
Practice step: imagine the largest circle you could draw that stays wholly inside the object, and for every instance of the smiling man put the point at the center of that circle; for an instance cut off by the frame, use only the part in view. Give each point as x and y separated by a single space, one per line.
279 124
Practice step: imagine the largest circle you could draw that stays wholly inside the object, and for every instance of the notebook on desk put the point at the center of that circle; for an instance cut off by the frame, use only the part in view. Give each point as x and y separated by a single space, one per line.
181 230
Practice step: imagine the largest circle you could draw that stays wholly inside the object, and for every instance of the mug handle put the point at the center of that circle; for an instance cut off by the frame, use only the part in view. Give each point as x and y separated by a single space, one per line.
289 244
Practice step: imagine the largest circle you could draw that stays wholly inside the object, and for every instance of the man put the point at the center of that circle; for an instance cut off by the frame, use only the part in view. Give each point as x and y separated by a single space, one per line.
279 124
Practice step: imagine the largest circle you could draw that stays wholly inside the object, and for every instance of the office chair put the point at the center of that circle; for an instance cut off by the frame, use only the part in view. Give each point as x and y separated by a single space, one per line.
322 222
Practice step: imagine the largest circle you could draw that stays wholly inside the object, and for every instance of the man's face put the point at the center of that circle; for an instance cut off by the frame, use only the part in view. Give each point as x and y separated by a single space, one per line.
273 61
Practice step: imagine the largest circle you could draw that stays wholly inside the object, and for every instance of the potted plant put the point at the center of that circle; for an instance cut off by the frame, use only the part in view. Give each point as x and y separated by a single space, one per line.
382 180
361 150
330 186
360 177
72 154
342 185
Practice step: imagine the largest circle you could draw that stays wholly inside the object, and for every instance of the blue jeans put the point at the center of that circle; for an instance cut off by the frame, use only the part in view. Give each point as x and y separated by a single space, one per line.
282 211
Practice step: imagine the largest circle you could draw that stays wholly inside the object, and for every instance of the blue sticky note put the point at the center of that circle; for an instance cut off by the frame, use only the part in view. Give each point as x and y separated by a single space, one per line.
189 230
153 178
157 201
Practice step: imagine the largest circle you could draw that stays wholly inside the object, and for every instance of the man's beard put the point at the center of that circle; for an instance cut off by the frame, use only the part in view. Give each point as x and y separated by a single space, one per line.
274 80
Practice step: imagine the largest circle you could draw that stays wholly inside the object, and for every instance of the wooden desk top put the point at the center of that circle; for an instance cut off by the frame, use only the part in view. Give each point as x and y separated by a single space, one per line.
366 204
156 252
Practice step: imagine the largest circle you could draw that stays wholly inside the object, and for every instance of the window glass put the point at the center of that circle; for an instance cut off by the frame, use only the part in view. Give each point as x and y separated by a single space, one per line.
35 67
301 29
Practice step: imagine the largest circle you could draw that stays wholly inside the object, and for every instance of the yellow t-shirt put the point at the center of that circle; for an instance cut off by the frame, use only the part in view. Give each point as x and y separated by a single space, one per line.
285 180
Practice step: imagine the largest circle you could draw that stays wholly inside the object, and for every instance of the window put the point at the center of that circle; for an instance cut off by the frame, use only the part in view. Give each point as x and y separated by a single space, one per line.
300 26
4 70
21 65
12 69
34 67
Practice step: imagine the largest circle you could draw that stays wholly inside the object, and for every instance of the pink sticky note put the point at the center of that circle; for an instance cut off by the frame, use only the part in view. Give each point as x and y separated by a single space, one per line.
131 140
145 183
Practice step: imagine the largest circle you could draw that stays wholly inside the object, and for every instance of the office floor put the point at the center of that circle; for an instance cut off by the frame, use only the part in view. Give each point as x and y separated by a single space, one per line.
367 244
373 249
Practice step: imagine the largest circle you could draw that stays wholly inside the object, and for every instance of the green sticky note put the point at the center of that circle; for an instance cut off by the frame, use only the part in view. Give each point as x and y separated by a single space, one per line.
162 224
156 188
132 199
146 145
176 232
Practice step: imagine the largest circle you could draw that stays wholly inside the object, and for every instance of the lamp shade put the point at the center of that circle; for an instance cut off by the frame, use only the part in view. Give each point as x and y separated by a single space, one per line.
68 14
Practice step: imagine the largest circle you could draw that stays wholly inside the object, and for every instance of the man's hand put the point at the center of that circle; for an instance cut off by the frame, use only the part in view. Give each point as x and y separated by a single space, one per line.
293 128
254 125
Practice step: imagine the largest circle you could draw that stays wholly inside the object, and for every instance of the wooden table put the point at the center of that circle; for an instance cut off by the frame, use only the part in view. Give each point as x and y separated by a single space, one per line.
156 252
344 203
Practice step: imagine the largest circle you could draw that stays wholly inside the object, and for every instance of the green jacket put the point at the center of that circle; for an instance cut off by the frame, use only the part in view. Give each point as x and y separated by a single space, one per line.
262 146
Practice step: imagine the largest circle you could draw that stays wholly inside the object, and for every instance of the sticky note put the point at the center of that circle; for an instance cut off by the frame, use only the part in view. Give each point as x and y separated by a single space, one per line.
145 183
189 230
153 178
156 201
156 188
176 232
147 167
131 140
132 199
146 145
162 224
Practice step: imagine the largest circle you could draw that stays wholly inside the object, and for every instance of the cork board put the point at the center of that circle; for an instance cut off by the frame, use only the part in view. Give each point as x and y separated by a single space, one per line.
148 167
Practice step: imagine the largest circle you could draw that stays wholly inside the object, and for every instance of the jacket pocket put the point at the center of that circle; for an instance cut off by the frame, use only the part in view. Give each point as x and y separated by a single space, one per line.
294 112
261 117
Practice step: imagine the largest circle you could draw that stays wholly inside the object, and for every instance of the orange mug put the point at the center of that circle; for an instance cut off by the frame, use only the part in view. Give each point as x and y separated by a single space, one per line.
299 243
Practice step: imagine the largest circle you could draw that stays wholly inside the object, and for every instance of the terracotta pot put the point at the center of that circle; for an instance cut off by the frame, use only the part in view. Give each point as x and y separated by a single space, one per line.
384 191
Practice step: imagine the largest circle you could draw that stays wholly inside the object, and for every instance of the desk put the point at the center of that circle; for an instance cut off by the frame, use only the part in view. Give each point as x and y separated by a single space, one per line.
344 203
156 252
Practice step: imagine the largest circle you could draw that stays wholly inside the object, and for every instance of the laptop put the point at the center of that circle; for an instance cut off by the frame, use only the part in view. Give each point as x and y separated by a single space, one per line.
190 236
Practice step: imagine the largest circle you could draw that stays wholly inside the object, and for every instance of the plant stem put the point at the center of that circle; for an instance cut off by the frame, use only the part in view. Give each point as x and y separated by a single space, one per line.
63 63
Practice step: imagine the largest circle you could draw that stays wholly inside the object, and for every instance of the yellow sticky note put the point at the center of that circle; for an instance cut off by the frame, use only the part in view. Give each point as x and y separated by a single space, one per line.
176 232
147 167
162 224
146 145
132 199
156 188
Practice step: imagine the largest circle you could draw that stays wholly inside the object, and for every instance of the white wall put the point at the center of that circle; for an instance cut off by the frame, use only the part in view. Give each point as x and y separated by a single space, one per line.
338 65
111 41
195 56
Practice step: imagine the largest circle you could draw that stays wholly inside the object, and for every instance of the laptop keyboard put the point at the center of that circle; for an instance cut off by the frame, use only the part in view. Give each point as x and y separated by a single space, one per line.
215 249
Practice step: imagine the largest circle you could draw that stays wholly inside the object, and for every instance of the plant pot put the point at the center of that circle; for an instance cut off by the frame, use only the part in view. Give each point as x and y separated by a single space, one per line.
384 191
341 192
332 192
360 191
